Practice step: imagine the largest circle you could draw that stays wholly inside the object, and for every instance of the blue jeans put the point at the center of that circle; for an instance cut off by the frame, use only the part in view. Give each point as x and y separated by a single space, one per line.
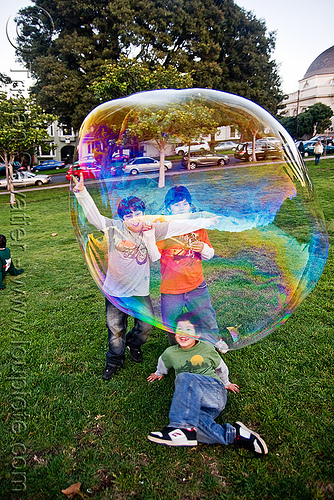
118 339
317 159
197 401
196 301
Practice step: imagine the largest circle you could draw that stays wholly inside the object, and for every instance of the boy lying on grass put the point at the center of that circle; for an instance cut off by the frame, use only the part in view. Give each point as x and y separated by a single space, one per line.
200 394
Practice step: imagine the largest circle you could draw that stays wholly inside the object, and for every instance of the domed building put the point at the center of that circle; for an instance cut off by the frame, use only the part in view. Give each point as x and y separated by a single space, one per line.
317 85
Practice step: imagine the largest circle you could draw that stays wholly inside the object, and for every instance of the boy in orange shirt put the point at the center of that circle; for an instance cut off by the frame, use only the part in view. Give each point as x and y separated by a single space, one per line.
182 280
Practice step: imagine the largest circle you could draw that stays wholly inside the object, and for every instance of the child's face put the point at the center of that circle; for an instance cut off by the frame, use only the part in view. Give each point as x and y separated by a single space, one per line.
181 207
134 221
182 335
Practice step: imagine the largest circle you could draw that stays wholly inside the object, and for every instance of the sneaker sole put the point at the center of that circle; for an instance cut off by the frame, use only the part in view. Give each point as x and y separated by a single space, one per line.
258 437
171 443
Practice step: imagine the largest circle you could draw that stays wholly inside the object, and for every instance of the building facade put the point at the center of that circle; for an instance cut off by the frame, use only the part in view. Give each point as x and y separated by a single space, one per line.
317 85
61 145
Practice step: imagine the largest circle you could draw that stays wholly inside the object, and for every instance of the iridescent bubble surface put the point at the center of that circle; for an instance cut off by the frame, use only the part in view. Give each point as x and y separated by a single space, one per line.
261 216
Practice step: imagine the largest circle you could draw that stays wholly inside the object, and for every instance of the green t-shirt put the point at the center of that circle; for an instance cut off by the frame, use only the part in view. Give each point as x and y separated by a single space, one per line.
201 359
5 262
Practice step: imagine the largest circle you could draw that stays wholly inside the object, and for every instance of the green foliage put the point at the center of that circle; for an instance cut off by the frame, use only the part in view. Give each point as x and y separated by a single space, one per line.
4 80
23 126
221 45
186 123
315 120
129 76
288 122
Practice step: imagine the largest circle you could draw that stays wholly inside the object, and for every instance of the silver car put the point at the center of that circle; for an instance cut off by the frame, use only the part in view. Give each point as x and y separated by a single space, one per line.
226 146
144 164
26 179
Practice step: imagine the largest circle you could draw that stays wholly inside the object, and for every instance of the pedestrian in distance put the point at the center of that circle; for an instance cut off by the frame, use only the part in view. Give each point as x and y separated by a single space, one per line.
318 150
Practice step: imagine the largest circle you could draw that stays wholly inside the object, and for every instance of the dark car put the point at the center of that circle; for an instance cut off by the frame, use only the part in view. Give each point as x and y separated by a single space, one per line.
310 145
117 164
16 166
49 165
264 149
201 159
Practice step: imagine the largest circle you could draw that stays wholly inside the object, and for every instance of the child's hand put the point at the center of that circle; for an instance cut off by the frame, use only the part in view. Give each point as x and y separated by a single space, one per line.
78 185
232 387
197 246
147 226
125 245
153 377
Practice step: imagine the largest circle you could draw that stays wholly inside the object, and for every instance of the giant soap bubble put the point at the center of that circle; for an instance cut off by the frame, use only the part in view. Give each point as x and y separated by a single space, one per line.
260 216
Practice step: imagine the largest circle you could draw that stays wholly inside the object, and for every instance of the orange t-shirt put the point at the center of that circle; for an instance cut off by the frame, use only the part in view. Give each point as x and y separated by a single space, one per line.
181 267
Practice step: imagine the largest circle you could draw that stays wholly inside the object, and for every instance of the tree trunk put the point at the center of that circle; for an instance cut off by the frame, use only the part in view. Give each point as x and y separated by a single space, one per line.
253 147
162 169
9 177
188 156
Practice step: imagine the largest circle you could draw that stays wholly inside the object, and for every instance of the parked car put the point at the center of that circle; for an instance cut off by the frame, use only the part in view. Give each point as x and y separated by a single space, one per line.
226 146
21 178
144 164
204 160
310 145
325 139
49 165
264 149
194 146
89 169
117 164
16 166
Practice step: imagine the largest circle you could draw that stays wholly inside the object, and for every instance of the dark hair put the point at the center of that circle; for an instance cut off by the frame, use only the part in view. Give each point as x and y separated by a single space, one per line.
188 316
176 194
129 205
3 241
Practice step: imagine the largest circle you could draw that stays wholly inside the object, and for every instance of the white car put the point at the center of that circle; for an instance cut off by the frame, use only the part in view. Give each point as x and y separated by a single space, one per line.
26 179
144 164
194 146
225 146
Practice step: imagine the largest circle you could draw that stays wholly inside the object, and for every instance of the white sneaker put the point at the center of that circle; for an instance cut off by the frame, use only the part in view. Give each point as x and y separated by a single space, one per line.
171 436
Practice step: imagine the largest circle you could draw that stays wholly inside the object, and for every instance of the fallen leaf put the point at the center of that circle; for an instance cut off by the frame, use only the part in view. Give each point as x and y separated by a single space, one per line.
72 490
54 234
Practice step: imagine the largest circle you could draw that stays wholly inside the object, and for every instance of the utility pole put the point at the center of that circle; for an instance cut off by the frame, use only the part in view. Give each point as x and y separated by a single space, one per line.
297 112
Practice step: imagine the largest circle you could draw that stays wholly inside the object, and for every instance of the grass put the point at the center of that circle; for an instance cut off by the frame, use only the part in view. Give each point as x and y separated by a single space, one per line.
62 424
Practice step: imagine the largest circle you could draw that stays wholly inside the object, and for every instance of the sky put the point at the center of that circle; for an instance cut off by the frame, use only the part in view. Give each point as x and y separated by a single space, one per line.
304 29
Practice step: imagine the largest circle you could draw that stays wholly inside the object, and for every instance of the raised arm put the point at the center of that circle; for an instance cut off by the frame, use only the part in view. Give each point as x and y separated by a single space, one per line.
88 205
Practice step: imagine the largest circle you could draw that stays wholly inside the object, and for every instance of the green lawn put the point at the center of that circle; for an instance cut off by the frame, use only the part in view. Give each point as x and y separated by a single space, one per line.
62 424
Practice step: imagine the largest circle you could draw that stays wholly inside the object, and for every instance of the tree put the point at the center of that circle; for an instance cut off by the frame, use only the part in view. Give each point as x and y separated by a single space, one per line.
315 120
186 122
223 46
129 76
289 123
23 127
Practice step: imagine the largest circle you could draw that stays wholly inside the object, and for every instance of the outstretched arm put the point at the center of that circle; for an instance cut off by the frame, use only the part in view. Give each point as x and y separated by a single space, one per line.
159 372
88 205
